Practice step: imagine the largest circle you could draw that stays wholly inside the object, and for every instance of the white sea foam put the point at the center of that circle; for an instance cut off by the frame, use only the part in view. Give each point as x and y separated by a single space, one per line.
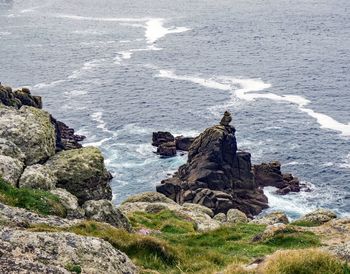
48 85
102 19
346 162
126 54
5 33
97 143
89 65
155 30
75 92
245 89
101 124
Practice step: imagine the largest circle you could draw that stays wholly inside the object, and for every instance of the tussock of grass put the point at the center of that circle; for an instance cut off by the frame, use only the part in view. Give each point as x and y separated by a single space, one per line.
307 261
306 223
35 200
164 221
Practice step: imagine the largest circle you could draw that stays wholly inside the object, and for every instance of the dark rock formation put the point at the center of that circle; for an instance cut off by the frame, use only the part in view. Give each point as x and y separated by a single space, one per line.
216 175
161 137
18 98
270 175
183 143
65 137
167 149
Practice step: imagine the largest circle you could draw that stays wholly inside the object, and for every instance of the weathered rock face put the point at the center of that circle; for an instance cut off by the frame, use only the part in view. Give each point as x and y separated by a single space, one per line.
8 148
38 177
183 143
19 98
10 169
319 216
105 211
167 149
21 249
270 175
30 130
272 218
161 137
82 172
216 175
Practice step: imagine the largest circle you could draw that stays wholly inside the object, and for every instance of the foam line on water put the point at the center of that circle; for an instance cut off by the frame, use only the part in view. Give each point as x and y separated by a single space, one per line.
102 19
48 85
155 30
245 89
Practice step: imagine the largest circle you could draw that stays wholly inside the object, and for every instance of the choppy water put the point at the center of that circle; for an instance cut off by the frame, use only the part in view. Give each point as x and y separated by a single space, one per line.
118 70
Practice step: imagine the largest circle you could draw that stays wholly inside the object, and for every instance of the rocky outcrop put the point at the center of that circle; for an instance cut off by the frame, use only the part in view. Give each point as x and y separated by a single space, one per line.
38 177
8 148
318 216
162 137
10 169
149 197
24 252
216 175
270 175
105 211
183 143
19 98
82 172
30 130
167 149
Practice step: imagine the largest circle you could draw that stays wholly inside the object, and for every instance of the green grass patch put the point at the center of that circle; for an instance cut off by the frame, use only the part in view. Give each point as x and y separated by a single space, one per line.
73 268
35 200
181 249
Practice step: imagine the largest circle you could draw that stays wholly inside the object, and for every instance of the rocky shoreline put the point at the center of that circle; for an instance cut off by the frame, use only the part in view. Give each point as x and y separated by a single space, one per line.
56 214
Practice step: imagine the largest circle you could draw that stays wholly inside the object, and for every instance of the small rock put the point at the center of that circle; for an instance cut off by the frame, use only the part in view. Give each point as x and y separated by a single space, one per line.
226 119
105 211
271 219
70 202
221 217
236 216
319 216
198 208
149 197
161 137
270 231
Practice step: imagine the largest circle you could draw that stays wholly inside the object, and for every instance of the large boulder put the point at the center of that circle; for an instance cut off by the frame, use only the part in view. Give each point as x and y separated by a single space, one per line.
216 175
105 211
30 129
24 251
38 177
167 149
269 174
149 197
318 216
276 217
10 169
8 148
82 172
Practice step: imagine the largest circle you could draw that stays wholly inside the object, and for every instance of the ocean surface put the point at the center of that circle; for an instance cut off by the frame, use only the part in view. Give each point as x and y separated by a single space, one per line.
118 70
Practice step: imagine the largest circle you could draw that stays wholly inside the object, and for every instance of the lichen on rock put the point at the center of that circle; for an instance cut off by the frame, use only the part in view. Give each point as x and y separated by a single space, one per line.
38 177
10 169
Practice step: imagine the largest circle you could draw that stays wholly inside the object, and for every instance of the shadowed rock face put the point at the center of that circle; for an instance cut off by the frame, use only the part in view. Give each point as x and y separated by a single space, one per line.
216 175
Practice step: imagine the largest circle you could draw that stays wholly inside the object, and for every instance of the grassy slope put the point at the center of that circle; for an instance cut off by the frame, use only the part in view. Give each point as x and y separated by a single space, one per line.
38 201
175 247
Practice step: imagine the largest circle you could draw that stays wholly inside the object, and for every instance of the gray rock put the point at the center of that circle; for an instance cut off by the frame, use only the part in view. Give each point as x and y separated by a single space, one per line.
198 208
10 169
271 219
149 197
8 148
319 216
221 217
59 250
234 216
38 177
82 172
30 130
105 211
70 202
342 250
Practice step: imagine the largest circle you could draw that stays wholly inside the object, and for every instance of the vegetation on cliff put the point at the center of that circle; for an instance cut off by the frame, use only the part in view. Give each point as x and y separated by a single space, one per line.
35 200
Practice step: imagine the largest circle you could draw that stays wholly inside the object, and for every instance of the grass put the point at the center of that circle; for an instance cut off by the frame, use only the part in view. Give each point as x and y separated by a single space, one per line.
39 201
306 223
73 268
307 261
176 247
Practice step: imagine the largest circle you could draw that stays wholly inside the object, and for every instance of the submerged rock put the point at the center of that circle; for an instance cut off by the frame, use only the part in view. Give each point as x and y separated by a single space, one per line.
38 177
216 175
24 251
105 211
82 172
30 130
